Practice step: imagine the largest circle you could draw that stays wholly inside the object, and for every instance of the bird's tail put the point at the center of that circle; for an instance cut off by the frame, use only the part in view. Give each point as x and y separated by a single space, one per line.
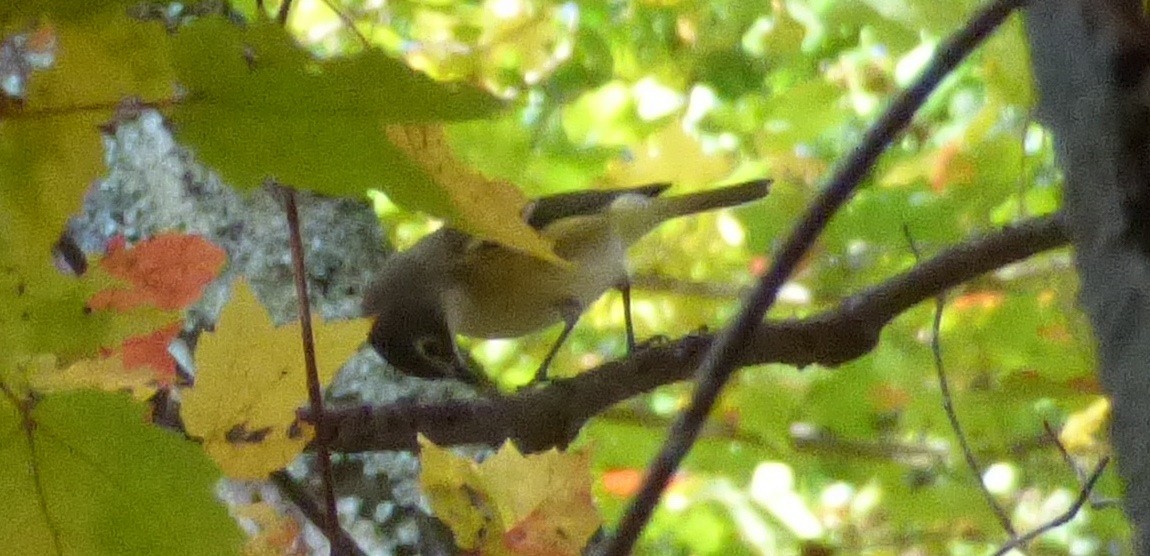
634 215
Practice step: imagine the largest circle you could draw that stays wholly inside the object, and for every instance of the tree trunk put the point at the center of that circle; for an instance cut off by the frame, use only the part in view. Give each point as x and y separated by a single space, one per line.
1091 60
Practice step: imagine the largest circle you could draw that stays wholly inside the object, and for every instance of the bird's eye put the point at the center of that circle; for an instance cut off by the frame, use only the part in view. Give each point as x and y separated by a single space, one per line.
434 348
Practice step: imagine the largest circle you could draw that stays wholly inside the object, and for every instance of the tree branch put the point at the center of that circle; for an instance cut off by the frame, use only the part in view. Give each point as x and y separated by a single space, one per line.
330 524
723 357
552 416
1065 517
948 401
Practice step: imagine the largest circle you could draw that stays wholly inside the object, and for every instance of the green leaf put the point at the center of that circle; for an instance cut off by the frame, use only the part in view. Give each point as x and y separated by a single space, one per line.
50 150
258 106
108 482
14 10
50 154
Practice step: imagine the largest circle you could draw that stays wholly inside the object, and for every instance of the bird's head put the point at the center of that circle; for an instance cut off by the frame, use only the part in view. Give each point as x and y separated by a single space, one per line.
411 330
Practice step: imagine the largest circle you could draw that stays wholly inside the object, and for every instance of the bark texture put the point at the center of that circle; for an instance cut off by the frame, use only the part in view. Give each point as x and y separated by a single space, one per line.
1091 59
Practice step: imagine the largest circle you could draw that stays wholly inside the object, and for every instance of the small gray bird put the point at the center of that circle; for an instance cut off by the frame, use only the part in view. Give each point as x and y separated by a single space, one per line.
452 283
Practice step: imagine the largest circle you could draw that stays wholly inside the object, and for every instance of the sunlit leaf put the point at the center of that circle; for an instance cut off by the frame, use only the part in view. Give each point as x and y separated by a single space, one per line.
250 380
512 504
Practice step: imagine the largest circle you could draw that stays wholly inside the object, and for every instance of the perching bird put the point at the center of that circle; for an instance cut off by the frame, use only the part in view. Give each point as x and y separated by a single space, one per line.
452 283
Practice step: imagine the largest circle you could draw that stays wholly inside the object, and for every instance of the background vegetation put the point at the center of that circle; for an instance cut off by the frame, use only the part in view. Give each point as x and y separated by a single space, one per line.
859 458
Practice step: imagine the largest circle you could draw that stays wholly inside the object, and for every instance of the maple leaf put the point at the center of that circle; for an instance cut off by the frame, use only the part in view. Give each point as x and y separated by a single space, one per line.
168 271
250 380
278 534
489 209
150 351
1084 431
164 274
102 373
512 504
86 474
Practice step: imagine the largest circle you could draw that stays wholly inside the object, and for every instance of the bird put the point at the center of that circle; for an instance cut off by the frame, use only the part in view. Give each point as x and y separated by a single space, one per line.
451 282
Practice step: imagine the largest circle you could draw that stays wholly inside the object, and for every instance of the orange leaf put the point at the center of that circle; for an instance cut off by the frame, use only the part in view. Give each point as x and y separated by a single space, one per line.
888 397
950 166
983 300
168 271
622 482
151 350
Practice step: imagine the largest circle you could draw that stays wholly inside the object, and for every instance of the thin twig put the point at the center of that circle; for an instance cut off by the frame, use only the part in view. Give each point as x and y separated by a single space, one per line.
1095 503
1050 433
948 400
307 506
1083 495
283 13
346 19
720 361
330 525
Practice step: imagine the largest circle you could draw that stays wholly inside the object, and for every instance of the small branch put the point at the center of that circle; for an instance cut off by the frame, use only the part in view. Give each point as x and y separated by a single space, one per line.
330 524
724 354
346 19
538 419
1095 503
283 13
814 440
1066 516
642 416
948 400
307 506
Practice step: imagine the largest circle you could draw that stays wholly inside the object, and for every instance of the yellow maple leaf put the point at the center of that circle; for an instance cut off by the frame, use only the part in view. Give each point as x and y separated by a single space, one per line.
488 209
512 504
250 380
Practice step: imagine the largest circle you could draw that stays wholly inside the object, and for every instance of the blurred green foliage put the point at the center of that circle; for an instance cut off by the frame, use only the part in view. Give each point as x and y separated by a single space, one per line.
604 94
697 91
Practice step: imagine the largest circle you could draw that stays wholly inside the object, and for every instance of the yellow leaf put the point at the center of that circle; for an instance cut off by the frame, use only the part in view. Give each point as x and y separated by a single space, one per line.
250 380
1080 433
448 481
671 155
276 534
513 504
488 209
103 373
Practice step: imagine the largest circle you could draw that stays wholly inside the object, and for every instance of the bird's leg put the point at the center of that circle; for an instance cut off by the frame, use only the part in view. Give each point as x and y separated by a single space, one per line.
624 287
571 311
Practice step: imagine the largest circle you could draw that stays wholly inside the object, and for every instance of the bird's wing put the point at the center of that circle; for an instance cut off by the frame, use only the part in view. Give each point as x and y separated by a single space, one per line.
544 211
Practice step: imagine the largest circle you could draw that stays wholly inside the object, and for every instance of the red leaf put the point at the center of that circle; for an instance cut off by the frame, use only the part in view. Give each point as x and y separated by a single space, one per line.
151 350
168 271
